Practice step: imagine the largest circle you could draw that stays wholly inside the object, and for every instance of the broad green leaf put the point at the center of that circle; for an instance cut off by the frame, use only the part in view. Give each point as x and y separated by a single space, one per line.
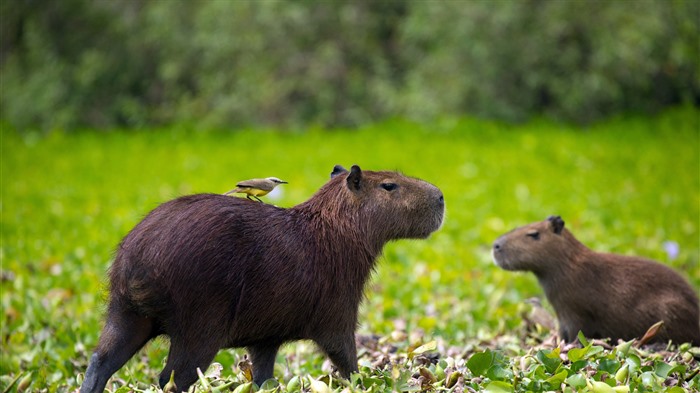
576 354
663 369
558 378
601 387
594 350
610 366
633 362
498 387
550 359
582 339
649 379
576 381
498 372
480 362
427 347
676 389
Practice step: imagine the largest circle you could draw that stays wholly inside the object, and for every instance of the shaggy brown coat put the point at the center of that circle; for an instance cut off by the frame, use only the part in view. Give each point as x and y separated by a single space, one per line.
601 295
213 271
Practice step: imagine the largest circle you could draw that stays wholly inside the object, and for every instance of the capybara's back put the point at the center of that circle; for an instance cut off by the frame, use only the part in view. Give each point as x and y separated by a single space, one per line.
214 271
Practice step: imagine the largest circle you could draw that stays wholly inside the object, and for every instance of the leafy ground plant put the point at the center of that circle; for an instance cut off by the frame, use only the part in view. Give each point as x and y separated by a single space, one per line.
394 364
629 185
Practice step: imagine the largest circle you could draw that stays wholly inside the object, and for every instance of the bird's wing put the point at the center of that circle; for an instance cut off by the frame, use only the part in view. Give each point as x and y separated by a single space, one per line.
252 183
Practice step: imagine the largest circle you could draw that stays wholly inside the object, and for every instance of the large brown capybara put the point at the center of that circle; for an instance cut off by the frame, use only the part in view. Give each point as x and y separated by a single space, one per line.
602 295
213 271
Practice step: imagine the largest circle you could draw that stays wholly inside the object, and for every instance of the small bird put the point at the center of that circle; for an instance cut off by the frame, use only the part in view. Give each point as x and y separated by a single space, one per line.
256 187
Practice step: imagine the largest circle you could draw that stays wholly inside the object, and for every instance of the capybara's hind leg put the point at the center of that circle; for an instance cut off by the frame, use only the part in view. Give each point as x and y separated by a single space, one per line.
123 335
342 352
185 357
263 359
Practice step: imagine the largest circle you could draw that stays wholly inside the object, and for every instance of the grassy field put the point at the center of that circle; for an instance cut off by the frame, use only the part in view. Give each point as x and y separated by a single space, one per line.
627 186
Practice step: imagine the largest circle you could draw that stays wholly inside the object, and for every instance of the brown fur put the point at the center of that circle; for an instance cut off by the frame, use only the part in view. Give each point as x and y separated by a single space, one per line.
213 271
602 295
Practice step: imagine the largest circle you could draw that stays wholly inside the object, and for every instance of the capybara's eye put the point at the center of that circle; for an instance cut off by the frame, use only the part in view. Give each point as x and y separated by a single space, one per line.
389 186
534 234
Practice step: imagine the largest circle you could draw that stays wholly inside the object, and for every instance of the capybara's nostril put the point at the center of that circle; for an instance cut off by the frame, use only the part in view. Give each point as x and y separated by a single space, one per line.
496 246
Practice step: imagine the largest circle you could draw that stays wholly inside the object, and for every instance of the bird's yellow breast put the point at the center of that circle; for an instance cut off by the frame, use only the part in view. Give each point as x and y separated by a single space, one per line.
254 191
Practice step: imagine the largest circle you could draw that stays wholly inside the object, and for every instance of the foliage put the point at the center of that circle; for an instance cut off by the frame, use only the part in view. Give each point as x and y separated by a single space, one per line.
628 185
78 63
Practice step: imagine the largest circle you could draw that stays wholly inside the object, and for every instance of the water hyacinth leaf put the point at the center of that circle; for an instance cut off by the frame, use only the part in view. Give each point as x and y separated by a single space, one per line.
295 383
622 373
582 339
498 372
427 347
557 379
170 387
576 354
498 387
319 387
663 369
621 389
24 382
600 387
676 389
214 371
480 362
203 379
439 372
428 375
650 380
576 366
594 350
550 359
610 366
452 379
633 362
576 381
269 384
624 347
244 388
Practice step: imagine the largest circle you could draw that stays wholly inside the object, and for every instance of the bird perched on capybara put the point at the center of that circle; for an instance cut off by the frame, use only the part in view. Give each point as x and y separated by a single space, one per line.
212 272
256 187
602 295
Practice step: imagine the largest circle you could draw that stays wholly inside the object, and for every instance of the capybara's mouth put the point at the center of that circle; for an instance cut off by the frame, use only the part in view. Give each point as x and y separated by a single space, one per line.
499 258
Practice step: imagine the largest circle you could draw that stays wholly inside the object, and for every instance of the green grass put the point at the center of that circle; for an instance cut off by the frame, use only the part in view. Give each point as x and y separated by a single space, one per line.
626 186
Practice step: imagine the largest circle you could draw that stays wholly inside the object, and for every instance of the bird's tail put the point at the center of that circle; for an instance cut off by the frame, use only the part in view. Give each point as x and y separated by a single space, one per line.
235 190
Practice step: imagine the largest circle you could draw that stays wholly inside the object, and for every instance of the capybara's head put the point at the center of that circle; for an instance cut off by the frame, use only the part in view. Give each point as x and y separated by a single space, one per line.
532 247
388 205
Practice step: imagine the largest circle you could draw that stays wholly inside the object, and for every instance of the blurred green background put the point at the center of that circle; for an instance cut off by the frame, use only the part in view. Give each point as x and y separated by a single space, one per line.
516 109
221 64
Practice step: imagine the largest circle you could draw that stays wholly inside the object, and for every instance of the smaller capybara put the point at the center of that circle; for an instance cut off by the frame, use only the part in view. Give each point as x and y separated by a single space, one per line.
602 295
212 272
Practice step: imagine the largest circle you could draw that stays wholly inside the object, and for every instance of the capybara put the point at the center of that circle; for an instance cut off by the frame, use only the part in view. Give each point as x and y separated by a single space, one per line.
602 295
212 272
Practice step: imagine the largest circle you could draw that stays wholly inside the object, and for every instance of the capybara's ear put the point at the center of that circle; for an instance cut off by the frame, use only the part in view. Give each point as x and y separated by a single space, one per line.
354 178
557 223
337 170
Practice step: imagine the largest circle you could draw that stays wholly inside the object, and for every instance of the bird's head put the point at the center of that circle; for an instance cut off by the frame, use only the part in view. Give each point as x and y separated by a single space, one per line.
276 180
